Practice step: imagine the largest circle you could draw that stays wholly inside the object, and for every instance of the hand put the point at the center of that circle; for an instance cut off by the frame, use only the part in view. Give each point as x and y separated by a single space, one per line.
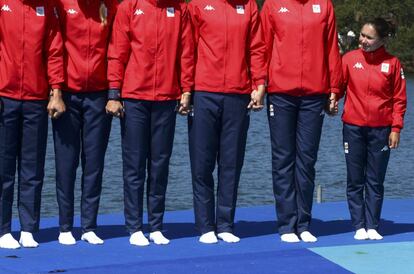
56 106
115 108
332 105
257 99
394 140
184 107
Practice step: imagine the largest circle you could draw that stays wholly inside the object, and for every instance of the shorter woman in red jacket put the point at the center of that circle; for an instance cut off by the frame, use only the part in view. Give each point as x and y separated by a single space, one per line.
373 118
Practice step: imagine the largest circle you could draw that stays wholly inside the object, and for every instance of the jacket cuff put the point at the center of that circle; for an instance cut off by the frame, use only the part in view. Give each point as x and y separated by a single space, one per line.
114 94
56 86
185 89
335 90
396 129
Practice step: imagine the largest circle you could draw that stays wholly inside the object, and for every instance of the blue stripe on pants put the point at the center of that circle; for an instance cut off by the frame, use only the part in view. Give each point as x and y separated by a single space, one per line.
217 133
23 136
147 140
82 131
366 155
295 130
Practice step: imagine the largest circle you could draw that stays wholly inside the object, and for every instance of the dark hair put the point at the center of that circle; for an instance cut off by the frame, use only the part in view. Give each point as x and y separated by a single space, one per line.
384 28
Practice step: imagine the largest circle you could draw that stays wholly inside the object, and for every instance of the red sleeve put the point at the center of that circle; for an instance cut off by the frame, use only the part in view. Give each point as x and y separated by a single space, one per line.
256 47
268 31
186 52
334 58
53 48
345 75
119 46
193 12
399 98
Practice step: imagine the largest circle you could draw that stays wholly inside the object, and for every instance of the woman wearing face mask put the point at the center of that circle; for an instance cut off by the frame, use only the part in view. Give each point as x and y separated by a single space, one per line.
150 68
304 68
373 115
31 64
83 130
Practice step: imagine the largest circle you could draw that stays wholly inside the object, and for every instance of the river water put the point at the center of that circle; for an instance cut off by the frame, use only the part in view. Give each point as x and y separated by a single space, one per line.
256 184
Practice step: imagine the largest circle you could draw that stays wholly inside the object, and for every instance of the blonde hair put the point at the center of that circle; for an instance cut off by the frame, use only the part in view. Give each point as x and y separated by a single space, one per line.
103 13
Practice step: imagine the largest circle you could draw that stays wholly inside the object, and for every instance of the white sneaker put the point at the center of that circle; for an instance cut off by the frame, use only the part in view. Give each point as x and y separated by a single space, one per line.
307 237
26 240
208 238
289 238
374 235
158 238
361 234
92 238
7 241
228 237
138 238
66 238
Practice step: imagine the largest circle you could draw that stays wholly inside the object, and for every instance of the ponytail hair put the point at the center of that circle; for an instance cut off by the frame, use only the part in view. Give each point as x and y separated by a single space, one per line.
103 13
384 28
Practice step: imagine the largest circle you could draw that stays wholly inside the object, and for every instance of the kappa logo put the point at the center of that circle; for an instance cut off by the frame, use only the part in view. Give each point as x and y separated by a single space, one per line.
138 12
5 8
358 65
283 10
209 8
72 11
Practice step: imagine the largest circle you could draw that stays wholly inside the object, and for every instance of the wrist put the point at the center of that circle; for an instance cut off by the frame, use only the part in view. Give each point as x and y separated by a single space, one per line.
114 94
55 93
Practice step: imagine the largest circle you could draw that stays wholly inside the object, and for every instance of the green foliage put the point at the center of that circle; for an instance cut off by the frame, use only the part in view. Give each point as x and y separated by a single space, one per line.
351 15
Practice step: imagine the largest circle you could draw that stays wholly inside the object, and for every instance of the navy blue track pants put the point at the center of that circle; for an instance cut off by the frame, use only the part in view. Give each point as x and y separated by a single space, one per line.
147 139
217 134
295 130
82 131
366 154
23 136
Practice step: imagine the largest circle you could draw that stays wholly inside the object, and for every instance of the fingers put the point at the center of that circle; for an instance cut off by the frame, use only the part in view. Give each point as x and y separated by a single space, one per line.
257 107
251 104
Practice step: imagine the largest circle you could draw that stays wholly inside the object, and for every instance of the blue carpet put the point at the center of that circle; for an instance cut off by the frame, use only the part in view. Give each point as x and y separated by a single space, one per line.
260 250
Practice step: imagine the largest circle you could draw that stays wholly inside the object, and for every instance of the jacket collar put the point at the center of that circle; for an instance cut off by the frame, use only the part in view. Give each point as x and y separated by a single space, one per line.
375 55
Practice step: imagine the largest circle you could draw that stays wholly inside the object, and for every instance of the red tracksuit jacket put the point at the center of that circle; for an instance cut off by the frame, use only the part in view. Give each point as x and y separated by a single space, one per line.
302 47
230 47
86 41
375 89
31 57
151 52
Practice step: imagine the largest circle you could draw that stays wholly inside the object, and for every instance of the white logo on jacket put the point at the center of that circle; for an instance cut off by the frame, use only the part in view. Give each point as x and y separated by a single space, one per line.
358 65
385 67
316 8
402 74
6 8
138 12
40 11
72 11
240 9
209 8
170 12
283 10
